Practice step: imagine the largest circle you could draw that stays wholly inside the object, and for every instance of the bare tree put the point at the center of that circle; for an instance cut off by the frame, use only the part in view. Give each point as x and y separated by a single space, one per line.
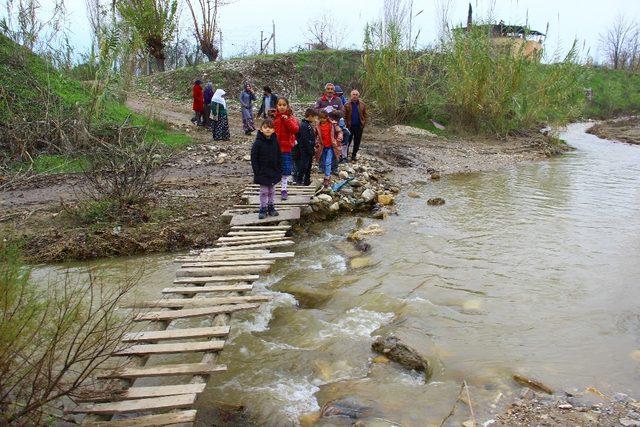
325 33
205 22
52 339
23 25
616 40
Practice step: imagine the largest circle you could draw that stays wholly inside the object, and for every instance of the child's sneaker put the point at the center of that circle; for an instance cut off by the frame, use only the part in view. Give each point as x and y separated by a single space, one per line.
283 195
263 213
271 210
326 182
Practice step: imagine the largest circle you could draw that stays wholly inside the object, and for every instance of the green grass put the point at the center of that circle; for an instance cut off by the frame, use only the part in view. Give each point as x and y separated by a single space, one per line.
615 92
54 163
29 86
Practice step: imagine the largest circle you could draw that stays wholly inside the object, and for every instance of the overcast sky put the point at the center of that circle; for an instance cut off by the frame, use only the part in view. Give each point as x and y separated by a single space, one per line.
242 21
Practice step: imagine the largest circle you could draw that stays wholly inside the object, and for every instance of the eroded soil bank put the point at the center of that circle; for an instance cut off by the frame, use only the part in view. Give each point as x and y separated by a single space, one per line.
206 179
626 129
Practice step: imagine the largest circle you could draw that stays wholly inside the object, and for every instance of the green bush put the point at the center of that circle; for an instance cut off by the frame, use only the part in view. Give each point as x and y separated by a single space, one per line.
615 92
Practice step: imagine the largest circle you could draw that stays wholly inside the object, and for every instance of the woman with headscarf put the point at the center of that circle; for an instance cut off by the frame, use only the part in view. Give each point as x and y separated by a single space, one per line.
219 115
246 107
208 94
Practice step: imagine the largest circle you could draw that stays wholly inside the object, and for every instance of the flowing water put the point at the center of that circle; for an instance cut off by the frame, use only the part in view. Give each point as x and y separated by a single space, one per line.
533 269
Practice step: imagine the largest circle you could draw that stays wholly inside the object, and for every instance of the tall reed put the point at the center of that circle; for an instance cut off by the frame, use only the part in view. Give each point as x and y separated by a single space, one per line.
494 88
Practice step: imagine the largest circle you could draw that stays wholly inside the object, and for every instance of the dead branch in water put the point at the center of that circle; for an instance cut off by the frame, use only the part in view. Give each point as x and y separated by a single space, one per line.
473 417
453 408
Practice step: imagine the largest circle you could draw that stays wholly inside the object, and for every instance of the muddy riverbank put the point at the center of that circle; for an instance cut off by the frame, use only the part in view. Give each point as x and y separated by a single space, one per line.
206 179
626 129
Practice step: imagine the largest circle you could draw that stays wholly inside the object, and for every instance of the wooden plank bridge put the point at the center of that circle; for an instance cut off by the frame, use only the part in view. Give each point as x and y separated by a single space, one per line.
211 285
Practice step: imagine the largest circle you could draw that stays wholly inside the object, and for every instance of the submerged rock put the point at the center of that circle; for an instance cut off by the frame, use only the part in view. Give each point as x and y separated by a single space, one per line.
435 175
361 262
436 201
413 195
391 347
346 407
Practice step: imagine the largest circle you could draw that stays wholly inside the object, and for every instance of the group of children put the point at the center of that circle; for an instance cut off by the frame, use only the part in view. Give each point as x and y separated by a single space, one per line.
283 143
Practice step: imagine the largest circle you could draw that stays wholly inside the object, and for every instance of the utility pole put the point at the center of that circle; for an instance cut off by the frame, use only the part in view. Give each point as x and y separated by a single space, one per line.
273 36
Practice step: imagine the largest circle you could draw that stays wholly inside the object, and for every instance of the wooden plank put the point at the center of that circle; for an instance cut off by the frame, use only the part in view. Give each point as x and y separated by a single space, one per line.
172 334
234 257
222 271
137 405
276 244
211 279
260 227
193 312
248 219
200 302
142 392
166 370
168 348
250 241
243 233
251 237
168 419
236 251
295 198
227 263
281 206
207 289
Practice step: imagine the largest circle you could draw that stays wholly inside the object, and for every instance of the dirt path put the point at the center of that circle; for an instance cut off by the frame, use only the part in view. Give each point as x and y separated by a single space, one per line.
204 180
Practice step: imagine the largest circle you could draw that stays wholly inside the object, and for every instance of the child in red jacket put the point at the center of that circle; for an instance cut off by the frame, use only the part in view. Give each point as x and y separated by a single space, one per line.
286 126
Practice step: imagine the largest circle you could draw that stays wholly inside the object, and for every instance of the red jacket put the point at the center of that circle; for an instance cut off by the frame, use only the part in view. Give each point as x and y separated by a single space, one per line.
286 130
198 99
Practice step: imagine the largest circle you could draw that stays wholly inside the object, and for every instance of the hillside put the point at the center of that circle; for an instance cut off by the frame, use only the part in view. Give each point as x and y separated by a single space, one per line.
297 75
41 107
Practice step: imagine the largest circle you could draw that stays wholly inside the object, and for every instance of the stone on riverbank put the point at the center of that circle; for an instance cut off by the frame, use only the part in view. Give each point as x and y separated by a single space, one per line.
385 199
368 195
391 347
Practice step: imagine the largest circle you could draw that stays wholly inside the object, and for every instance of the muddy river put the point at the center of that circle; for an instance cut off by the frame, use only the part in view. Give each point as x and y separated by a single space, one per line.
533 269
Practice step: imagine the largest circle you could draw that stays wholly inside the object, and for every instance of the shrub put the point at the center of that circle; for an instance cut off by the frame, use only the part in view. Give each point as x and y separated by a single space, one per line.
52 338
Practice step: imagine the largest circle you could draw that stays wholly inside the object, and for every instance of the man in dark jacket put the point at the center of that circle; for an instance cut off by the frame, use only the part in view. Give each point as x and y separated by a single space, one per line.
267 169
269 101
356 118
329 101
306 138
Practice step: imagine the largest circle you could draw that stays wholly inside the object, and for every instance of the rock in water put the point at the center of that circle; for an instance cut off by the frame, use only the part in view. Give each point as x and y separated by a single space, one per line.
360 262
435 175
391 347
532 383
413 195
346 407
436 201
